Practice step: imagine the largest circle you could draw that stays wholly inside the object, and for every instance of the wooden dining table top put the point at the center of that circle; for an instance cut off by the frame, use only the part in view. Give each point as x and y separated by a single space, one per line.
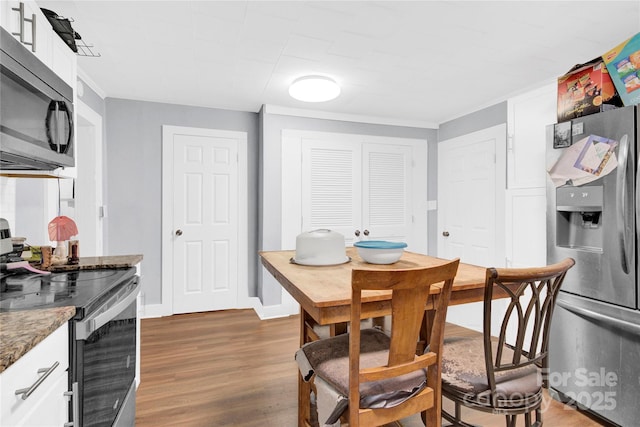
324 292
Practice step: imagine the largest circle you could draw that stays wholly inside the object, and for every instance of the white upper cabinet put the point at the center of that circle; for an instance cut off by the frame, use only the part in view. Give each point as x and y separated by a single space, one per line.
528 115
30 26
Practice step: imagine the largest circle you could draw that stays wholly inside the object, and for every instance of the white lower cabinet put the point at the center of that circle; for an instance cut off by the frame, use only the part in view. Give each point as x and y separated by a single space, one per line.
47 404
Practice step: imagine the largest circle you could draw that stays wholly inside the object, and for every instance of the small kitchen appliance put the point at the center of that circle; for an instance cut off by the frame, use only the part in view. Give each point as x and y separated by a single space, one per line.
36 112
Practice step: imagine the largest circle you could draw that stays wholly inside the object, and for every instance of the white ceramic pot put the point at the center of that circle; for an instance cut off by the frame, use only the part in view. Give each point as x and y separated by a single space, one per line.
320 247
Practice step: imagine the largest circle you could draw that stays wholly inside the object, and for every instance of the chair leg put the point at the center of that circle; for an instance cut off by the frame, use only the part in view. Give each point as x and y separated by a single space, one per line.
511 420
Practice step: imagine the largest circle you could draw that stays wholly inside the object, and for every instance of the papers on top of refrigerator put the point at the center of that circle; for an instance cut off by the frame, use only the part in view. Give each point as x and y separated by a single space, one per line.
585 161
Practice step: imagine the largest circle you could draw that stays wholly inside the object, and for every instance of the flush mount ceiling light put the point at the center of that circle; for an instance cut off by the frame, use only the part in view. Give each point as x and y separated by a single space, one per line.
314 89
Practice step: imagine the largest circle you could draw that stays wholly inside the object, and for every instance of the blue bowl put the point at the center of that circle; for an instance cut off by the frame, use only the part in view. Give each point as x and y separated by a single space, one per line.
380 251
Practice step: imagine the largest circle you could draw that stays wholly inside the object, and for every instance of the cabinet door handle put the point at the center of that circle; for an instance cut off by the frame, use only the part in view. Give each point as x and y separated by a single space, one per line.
20 10
26 392
75 405
33 32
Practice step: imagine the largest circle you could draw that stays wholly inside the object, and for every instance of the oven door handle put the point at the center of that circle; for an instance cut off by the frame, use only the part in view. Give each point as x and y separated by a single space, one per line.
86 327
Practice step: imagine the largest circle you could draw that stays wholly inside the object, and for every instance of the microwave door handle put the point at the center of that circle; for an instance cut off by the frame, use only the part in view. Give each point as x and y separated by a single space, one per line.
70 123
52 126
622 220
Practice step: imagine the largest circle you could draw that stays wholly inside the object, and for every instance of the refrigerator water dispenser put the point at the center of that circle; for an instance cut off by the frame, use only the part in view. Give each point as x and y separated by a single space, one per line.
578 222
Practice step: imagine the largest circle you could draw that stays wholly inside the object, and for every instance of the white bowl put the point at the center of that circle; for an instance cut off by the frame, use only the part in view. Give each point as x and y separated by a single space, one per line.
380 251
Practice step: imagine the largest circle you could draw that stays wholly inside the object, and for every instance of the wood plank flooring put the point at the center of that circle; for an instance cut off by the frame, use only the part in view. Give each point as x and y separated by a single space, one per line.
229 368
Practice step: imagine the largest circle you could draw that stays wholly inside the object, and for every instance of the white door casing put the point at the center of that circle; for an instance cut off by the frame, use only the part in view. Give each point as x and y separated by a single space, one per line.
471 206
88 185
204 219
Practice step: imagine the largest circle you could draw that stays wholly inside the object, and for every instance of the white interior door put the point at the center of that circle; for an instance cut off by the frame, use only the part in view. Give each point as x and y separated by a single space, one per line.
206 218
471 209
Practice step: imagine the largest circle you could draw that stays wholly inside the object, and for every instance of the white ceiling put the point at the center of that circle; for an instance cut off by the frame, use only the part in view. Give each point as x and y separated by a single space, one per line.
417 62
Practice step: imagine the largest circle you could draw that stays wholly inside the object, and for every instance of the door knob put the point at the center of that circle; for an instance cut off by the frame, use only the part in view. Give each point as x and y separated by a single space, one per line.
357 233
445 233
178 232
366 232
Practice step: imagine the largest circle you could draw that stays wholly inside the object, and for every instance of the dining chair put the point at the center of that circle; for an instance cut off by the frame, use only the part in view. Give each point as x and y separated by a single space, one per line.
502 372
378 378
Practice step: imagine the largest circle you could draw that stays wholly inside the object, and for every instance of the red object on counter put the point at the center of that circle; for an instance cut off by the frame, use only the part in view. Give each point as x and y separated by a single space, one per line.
62 228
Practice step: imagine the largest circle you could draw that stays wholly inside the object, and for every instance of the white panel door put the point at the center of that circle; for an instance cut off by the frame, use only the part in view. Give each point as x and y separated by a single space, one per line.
205 216
471 212
386 191
331 186
467 201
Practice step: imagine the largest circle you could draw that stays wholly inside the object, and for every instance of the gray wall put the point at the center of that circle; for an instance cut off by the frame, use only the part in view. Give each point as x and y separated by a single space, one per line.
134 164
270 183
481 119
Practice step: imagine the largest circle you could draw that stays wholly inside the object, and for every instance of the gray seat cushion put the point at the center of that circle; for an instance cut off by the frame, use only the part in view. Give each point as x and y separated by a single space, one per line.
464 372
329 359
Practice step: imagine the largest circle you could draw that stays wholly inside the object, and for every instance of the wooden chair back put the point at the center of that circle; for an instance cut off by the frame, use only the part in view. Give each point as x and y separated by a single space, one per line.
410 291
532 293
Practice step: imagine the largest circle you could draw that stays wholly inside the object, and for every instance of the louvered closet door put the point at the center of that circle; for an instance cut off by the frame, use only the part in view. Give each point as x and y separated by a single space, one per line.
331 186
386 192
351 185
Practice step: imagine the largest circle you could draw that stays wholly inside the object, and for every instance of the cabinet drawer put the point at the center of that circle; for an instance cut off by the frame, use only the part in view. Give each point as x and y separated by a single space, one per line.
24 373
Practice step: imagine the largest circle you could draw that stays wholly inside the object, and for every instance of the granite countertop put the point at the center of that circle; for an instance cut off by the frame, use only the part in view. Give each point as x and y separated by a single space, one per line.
94 263
20 331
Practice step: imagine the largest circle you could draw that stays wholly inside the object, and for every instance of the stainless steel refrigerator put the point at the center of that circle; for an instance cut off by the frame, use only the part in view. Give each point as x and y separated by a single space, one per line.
594 347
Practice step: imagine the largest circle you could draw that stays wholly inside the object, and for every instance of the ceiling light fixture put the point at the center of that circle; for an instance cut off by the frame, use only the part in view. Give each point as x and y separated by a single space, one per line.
314 89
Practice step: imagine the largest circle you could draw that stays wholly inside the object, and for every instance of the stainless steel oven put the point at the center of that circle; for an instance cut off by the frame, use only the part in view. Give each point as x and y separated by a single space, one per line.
104 361
103 333
36 111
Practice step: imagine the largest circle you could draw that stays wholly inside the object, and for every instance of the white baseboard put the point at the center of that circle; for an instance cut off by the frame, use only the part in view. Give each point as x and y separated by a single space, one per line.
148 311
264 312
273 311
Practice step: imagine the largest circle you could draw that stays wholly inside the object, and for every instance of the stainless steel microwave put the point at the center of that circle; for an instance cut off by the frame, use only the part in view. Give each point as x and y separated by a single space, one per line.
36 111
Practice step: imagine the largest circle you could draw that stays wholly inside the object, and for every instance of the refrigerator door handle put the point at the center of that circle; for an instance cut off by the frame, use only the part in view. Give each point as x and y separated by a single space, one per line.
603 318
637 199
623 154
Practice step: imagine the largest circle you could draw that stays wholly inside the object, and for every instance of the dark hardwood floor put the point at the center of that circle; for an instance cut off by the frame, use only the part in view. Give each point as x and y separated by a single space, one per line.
229 368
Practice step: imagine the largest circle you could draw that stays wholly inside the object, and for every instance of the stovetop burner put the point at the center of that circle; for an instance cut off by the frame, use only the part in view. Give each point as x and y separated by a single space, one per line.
83 289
